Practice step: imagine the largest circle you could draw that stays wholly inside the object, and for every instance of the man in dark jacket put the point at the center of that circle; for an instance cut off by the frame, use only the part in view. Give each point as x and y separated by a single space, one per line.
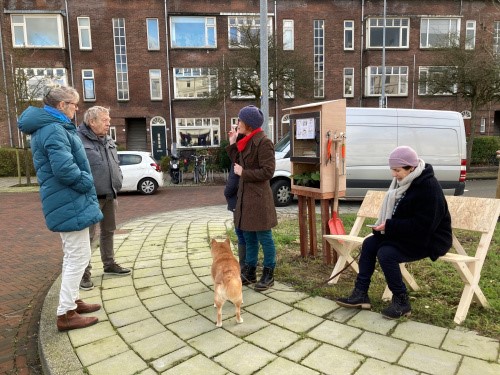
103 158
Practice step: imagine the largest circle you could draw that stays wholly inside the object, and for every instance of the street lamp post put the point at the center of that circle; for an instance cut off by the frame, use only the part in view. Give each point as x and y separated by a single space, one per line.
264 78
383 100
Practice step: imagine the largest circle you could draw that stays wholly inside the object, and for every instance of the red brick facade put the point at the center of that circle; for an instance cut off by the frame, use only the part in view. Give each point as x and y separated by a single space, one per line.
138 111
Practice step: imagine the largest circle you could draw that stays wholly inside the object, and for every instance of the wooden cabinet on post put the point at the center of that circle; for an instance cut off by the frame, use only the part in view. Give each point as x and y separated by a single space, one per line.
317 136
313 128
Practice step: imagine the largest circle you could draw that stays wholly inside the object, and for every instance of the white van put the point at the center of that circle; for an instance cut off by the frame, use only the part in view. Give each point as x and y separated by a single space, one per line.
371 135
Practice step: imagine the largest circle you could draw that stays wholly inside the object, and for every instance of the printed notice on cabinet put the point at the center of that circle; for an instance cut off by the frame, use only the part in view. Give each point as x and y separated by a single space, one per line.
305 128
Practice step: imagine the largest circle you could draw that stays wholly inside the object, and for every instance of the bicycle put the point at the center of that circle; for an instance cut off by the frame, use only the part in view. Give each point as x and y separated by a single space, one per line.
200 168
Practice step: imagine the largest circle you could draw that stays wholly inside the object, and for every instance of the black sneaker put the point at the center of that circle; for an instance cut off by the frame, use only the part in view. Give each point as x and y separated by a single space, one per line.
400 306
116 269
358 299
86 284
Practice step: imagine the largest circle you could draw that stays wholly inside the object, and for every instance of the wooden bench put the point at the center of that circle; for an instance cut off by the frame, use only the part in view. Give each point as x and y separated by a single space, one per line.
467 213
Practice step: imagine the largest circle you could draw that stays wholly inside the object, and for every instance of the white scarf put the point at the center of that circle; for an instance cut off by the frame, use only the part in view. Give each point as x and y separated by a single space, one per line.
396 192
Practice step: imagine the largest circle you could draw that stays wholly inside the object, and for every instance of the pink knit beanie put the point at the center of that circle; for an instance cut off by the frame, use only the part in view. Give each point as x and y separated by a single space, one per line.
403 156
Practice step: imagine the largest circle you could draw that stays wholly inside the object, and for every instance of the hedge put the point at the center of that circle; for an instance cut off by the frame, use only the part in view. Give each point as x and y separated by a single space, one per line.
8 162
484 150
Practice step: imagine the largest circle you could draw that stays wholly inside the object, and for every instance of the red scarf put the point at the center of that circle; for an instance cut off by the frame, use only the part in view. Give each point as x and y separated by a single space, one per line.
242 143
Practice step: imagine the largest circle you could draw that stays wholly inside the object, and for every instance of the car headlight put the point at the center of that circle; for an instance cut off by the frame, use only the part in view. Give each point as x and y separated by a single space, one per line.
175 165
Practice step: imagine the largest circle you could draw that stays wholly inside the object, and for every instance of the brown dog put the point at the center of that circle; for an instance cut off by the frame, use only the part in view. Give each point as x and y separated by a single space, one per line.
226 277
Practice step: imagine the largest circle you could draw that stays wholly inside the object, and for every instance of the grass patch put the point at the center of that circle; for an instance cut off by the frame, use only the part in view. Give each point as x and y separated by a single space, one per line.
441 287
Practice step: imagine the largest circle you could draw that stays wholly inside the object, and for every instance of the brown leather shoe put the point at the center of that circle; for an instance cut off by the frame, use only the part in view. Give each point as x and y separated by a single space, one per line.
72 320
83 308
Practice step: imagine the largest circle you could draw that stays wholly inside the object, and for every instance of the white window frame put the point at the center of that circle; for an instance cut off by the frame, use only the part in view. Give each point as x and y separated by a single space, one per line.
289 84
400 26
470 34
348 83
425 71
482 127
121 64
319 58
112 132
155 89
198 77
34 80
88 75
449 36
374 80
210 30
20 26
348 35
288 35
153 38
496 37
191 126
84 30
235 23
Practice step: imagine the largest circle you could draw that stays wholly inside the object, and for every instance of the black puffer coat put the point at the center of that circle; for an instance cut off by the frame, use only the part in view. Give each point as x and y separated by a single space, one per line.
421 224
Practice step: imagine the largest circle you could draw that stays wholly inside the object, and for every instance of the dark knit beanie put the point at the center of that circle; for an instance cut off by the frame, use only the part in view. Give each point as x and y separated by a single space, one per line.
251 116
403 156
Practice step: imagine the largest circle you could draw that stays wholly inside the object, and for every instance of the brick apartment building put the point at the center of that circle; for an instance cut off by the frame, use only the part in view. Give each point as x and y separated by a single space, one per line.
153 61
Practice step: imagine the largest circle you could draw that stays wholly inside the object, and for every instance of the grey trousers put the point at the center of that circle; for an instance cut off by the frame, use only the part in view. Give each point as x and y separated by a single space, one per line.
107 228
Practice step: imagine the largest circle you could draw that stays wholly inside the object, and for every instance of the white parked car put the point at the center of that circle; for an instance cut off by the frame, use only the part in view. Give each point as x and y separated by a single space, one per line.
140 172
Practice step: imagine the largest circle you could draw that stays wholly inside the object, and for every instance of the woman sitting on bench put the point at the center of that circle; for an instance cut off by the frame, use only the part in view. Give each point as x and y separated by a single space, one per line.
413 223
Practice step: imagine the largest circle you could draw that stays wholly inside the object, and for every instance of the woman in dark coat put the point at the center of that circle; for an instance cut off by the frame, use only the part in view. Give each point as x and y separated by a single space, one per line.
255 213
413 223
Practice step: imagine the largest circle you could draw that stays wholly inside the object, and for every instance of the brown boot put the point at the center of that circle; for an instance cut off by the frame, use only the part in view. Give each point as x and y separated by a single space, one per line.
83 308
72 320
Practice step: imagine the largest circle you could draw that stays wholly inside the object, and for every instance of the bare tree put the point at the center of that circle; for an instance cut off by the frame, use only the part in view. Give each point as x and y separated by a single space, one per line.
470 74
289 74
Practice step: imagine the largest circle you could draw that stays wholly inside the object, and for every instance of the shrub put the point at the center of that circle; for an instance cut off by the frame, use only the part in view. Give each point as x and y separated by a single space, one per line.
484 150
8 162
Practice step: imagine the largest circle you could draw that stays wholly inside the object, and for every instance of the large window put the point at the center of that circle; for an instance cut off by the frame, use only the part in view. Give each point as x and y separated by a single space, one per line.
197 132
155 84
397 31
348 35
37 30
431 78
31 82
396 81
243 28
121 65
348 82
319 57
153 34
439 32
242 83
193 32
288 35
88 84
193 83
496 37
84 36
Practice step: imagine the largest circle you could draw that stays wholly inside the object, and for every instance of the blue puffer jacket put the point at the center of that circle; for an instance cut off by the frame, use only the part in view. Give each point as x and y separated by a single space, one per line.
67 190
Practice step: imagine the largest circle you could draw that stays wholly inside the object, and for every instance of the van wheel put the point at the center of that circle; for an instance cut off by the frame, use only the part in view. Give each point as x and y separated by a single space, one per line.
282 193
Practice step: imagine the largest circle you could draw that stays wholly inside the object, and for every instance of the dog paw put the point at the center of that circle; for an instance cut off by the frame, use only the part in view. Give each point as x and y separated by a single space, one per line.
218 324
239 321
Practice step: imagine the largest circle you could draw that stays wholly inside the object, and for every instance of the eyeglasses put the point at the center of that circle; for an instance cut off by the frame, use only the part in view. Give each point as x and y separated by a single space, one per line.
75 104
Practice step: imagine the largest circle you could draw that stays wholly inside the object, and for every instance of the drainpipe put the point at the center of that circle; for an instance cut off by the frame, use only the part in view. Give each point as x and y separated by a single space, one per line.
69 51
361 75
7 104
168 75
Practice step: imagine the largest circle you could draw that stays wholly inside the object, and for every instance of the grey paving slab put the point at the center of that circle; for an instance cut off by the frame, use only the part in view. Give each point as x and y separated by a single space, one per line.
430 360
471 344
161 320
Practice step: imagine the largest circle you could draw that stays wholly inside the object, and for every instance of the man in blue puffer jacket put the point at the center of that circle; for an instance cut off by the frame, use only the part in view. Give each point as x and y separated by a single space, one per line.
69 200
